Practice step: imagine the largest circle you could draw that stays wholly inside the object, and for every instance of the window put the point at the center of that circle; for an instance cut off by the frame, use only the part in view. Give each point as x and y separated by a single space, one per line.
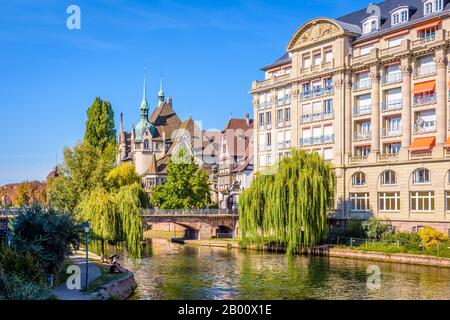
262 142
328 107
328 55
269 160
448 177
389 201
280 138
269 139
428 7
359 201
422 201
268 118
359 179
366 49
400 16
287 115
438 5
262 161
287 138
421 176
392 148
447 200
261 119
328 154
306 61
146 145
388 177
396 41
317 59
362 151
279 116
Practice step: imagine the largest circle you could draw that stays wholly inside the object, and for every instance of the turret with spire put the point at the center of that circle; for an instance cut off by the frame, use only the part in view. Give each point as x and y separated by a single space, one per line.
161 97
144 103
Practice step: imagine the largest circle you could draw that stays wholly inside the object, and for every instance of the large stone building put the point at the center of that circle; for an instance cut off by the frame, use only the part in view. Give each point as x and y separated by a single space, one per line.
368 91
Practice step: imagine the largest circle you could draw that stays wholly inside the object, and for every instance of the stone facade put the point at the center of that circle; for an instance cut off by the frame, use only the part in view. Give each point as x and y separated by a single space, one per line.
370 93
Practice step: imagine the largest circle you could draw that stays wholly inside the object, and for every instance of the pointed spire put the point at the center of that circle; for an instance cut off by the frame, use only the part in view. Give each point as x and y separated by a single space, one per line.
144 104
161 98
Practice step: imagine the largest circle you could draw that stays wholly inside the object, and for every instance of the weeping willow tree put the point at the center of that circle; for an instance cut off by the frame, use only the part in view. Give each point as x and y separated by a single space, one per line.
115 215
289 206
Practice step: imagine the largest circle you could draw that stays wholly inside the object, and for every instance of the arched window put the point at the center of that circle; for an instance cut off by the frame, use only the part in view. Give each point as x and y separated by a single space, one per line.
388 177
146 145
359 179
421 176
428 7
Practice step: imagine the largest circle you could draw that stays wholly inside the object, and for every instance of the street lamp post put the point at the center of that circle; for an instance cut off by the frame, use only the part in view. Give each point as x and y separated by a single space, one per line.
86 231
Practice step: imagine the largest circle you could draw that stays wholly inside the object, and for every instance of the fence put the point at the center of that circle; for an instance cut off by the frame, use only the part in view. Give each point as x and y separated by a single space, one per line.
189 211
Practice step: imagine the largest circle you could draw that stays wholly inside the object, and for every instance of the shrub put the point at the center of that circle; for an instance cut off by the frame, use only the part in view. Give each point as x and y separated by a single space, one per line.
431 237
21 276
45 234
375 229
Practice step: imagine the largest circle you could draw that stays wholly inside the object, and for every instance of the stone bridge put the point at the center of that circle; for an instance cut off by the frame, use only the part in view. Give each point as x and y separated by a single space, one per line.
199 224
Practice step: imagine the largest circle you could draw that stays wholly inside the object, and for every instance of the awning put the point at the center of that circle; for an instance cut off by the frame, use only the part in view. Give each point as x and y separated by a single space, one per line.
431 24
428 86
447 143
421 144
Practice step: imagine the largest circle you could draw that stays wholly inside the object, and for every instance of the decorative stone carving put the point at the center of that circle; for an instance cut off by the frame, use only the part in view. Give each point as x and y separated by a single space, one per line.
405 69
441 61
375 76
312 32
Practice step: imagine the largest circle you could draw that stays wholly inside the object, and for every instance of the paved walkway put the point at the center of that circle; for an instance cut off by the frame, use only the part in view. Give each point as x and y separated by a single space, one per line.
64 293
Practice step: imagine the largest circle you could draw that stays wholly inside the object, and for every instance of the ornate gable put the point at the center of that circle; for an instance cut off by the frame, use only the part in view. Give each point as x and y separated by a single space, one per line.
314 31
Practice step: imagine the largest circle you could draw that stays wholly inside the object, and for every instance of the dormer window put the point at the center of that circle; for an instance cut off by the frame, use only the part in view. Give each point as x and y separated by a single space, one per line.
431 6
370 25
400 15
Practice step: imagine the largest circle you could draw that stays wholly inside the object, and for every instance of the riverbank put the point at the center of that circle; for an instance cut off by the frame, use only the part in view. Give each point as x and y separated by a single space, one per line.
328 250
102 284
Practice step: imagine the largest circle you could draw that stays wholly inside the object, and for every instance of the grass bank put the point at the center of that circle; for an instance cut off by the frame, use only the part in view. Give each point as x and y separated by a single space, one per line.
105 278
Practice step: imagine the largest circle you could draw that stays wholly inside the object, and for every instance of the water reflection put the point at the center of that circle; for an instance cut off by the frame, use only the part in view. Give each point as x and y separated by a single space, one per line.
173 271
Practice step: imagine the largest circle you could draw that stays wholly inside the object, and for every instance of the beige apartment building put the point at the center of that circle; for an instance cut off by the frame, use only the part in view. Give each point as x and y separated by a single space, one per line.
370 92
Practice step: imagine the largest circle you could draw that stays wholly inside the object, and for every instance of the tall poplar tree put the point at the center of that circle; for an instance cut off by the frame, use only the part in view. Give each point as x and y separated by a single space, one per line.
289 207
100 129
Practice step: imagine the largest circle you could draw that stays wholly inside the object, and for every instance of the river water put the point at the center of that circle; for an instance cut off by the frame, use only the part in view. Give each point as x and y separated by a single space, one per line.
173 271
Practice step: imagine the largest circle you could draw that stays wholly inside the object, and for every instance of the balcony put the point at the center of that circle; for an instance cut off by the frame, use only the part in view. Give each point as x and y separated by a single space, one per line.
285 100
425 126
391 51
425 71
361 136
388 157
284 145
259 84
265 104
363 59
362 84
420 42
390 78
389 133
424 99
391 105
317 140
316 93
416 155
362 110
317 67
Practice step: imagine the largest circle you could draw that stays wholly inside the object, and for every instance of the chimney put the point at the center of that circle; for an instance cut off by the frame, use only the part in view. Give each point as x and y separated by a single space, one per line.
169 101
247 119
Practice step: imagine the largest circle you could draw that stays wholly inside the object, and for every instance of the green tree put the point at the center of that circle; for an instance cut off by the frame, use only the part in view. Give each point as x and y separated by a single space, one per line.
122 175
85 168
100 130
376 229
23 196
289 206
186 186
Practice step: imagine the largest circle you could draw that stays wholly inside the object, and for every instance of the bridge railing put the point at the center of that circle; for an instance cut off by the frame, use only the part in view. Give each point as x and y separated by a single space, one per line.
189 211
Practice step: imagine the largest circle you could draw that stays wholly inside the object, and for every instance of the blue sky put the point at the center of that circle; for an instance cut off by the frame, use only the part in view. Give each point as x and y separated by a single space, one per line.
207 51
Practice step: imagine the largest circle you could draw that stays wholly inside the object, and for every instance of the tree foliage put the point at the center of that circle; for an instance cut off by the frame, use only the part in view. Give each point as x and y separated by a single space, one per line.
45 234
23 195
376 229
290 206
186 186
85 168
122 175
100 130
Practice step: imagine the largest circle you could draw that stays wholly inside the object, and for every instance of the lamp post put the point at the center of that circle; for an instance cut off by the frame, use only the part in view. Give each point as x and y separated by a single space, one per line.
86 231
